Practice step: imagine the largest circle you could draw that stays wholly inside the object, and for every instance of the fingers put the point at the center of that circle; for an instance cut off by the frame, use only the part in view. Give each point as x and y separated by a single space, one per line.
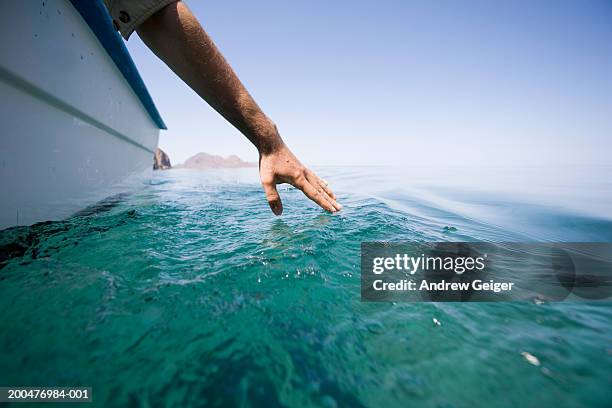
276 205
314 194
325 186
310 184
324 190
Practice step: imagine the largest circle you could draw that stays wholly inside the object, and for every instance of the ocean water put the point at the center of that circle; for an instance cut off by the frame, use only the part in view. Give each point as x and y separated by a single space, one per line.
189 292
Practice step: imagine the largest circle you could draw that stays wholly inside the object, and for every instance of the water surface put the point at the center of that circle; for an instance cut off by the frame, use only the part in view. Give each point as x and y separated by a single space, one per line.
188 291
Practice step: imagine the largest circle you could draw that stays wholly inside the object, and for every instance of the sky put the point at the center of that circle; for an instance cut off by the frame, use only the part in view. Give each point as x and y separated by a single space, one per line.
404 82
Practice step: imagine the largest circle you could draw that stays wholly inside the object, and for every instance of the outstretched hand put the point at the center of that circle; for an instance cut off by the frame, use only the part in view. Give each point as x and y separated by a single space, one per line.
175 35
281 166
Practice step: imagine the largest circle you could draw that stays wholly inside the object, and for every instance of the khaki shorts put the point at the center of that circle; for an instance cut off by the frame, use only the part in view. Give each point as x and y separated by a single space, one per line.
127 15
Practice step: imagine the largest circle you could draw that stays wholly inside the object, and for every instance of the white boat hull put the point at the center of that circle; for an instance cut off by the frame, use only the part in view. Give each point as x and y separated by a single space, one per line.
73 130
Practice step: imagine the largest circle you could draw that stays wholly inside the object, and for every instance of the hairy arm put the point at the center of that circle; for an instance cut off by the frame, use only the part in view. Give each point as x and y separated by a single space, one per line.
175 36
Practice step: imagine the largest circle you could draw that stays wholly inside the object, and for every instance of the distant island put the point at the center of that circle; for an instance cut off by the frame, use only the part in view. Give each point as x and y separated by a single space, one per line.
200 161
204 161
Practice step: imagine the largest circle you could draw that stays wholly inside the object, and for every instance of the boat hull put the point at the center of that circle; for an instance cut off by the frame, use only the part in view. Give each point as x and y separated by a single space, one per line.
73 130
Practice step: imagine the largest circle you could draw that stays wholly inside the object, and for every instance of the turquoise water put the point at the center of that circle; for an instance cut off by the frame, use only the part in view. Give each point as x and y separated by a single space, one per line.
188 292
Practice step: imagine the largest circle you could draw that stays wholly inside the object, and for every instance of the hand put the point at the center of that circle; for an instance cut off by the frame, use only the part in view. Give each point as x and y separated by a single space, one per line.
176 36
281 166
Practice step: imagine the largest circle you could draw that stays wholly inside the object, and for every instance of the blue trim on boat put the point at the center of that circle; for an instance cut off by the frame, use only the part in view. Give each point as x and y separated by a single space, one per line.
96 16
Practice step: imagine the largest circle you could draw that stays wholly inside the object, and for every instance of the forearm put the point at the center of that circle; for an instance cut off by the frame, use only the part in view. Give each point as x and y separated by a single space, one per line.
176 37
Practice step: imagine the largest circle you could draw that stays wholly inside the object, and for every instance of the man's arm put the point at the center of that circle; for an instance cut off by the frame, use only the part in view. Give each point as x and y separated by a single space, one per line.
175 36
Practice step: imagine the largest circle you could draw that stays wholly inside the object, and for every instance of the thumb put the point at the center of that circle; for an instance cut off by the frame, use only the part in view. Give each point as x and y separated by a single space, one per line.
273 198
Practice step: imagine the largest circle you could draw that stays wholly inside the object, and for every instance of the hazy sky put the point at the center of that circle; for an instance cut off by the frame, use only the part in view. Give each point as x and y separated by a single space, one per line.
405 82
